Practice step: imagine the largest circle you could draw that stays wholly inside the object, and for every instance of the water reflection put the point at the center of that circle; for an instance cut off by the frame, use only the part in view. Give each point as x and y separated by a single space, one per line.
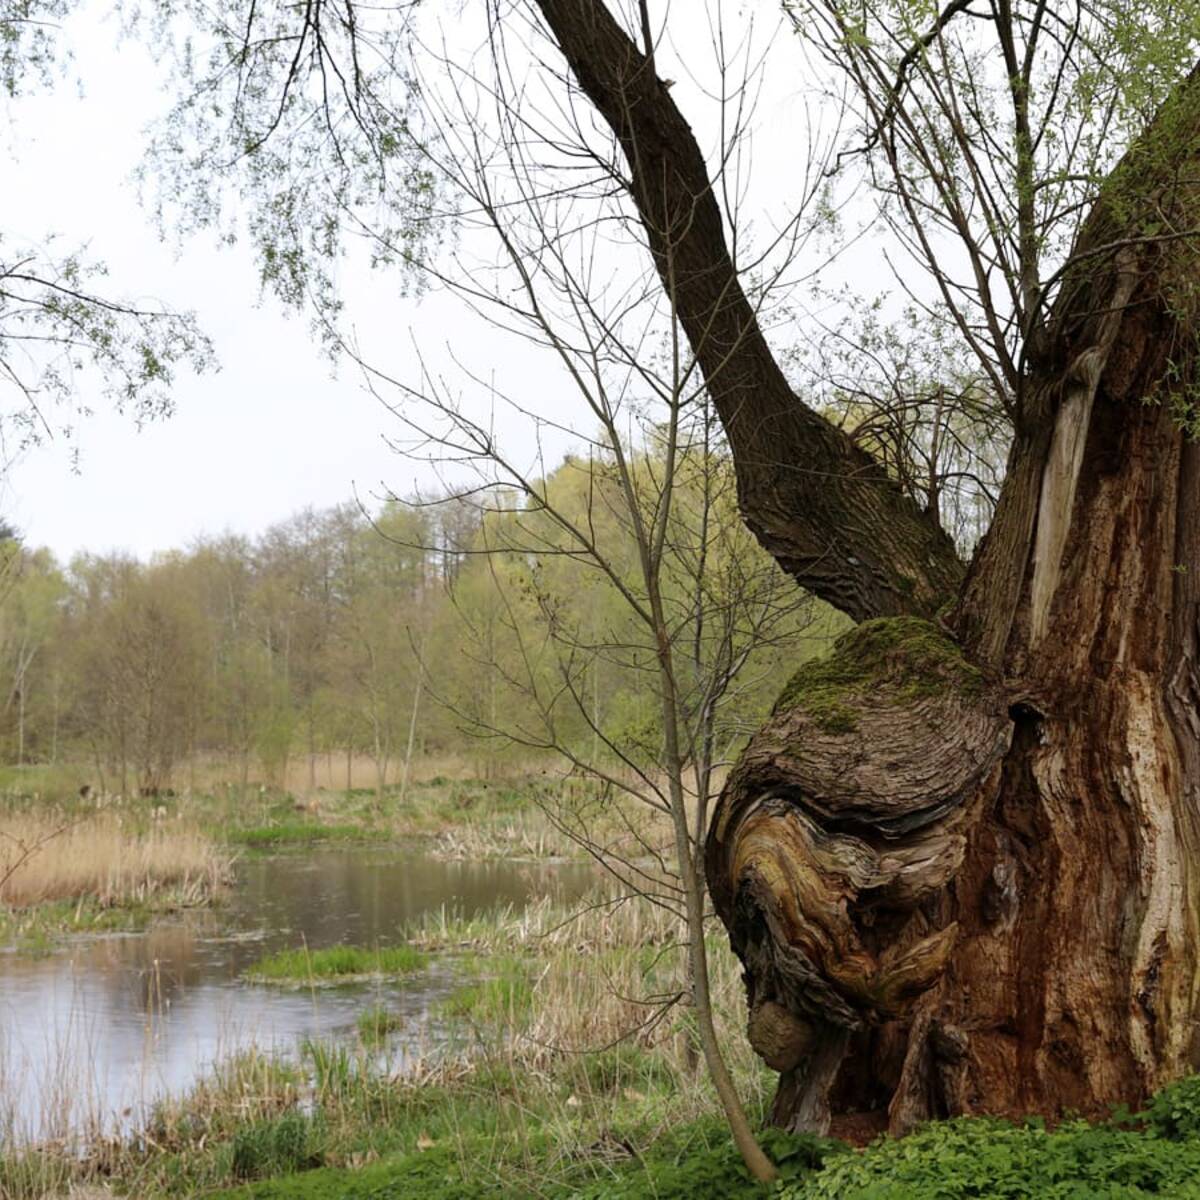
95 1031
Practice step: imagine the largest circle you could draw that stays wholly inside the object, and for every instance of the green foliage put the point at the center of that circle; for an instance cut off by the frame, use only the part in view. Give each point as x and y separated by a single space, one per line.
1174 1112
288 1144
27 41
274 735
49 307
253 105
286 656
994 1159
916 658
336 963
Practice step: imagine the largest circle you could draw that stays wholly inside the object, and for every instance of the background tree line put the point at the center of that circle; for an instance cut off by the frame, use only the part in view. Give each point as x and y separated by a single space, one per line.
447 627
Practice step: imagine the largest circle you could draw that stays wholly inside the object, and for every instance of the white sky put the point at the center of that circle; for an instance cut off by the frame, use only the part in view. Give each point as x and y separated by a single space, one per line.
272 431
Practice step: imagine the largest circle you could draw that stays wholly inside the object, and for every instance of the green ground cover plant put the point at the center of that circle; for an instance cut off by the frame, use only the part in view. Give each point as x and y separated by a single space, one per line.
554 1086
953 1160
538 1097
996 1159
335 963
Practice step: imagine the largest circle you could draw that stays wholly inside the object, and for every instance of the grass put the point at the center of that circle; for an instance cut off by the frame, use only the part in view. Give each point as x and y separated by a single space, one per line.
376 1024
564 1082
109 863
528 818
302 833
36 931
519 1096
566 1073
335 964
505 991
91 871
452 816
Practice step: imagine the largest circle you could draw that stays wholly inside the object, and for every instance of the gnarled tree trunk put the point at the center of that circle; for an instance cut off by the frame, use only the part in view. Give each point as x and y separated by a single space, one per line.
960 861
974 899
985 898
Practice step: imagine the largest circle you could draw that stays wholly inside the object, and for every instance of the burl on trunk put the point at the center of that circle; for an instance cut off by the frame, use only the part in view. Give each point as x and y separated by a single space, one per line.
960 861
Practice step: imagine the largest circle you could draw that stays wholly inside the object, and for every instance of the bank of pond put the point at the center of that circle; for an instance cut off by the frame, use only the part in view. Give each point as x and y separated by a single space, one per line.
371 1015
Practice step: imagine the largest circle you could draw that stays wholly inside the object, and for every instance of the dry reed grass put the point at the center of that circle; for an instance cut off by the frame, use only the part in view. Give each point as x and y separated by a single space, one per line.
595 976
558 825
331 773
107 859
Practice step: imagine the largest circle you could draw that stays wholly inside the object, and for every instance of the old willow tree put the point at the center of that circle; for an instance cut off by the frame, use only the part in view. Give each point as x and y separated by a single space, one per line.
960 861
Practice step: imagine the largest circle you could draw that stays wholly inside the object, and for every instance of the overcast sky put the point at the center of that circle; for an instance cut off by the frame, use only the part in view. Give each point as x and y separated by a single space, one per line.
273 431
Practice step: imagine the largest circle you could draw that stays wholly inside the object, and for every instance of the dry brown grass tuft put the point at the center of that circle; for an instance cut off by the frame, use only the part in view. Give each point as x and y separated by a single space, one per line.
107 859
580 980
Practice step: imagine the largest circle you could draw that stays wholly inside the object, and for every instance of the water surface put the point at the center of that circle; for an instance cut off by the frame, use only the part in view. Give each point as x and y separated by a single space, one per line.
96 1030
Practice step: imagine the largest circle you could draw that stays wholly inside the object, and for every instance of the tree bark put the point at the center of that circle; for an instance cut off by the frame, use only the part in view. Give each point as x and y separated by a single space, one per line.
979 894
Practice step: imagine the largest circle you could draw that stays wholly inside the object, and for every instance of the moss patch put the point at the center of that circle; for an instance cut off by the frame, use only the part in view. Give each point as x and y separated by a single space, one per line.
915 658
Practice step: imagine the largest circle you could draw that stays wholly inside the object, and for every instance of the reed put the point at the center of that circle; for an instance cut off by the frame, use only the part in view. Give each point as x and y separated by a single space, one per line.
108 859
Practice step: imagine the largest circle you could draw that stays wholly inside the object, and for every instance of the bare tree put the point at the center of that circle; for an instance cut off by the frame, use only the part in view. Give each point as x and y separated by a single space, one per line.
656 480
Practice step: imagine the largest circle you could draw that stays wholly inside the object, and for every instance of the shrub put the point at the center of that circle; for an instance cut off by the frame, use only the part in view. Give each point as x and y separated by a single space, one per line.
1175 1112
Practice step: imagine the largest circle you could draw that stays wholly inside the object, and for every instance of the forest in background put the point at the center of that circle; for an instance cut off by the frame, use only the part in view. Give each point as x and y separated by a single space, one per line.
458 626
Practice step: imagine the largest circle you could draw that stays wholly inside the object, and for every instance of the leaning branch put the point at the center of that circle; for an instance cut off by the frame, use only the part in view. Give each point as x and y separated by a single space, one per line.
824 508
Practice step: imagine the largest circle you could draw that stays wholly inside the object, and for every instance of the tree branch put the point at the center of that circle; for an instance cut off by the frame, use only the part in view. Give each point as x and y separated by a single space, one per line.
823 507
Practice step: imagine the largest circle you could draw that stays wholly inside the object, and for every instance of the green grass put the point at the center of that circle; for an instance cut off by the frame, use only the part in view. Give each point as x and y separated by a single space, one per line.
335 963
281 1147
301 833
429 1175
608 1126
35 931
377 1024
505 991
45 782
451 818
691 1162
954 1160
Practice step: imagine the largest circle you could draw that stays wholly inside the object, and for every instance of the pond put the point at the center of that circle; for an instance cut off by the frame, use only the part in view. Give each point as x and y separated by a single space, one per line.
92 1033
